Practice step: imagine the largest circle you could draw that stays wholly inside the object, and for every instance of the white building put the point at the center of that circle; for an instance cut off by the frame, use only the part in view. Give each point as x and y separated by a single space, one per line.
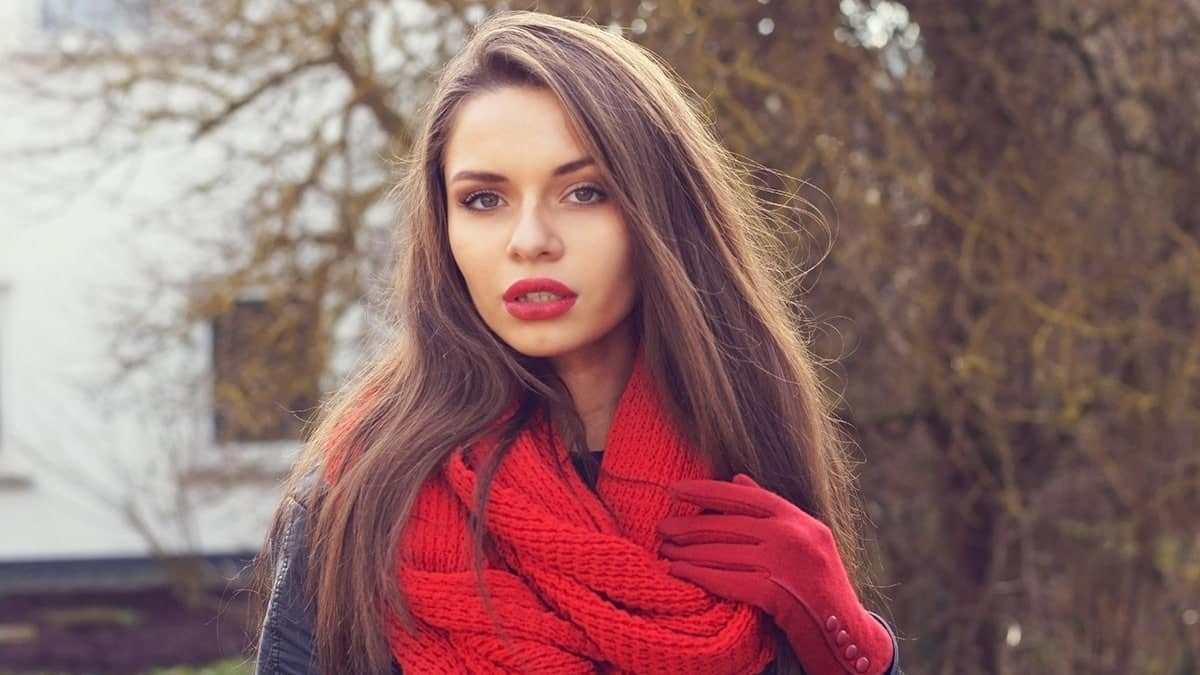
89 472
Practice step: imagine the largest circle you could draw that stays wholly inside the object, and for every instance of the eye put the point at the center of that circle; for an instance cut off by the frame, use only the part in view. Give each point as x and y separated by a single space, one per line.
483 200
587 194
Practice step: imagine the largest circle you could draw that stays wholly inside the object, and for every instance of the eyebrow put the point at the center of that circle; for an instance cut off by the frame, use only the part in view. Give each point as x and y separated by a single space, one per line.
489 177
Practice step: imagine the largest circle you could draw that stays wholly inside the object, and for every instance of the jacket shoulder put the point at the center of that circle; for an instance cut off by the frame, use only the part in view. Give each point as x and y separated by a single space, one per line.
286 645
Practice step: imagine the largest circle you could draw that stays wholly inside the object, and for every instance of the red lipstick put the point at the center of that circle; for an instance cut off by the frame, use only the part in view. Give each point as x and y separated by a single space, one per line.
532 309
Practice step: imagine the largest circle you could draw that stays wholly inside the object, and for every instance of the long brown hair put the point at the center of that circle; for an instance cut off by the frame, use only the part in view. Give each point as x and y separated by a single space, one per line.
715 320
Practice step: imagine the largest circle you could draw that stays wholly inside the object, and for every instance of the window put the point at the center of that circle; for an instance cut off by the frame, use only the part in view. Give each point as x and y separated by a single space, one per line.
266 370
94 15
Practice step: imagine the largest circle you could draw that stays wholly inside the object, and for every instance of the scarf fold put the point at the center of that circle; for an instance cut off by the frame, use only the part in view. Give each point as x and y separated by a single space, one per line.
573 577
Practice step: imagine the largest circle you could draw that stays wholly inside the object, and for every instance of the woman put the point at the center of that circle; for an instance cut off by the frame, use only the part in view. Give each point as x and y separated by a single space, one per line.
535 476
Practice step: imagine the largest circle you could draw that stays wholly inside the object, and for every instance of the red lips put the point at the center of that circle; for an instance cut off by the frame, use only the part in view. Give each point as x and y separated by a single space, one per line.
538 310
523 286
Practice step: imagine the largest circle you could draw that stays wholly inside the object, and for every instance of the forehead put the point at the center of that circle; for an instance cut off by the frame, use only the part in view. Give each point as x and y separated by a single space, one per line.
521 127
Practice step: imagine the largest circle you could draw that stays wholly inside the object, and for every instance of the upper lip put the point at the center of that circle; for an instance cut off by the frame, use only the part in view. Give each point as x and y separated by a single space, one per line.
522 286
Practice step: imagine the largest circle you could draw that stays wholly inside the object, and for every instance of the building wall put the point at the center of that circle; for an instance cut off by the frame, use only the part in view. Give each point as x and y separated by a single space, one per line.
88 469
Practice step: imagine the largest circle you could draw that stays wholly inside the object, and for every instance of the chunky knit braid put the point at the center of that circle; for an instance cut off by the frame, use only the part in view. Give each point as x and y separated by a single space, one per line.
573 576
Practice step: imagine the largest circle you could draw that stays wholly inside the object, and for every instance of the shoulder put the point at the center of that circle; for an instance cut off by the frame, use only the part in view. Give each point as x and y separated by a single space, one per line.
286 644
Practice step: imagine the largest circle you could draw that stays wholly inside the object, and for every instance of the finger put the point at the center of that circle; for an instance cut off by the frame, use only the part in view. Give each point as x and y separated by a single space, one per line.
737 586
725 497
735 557
744 479
703 529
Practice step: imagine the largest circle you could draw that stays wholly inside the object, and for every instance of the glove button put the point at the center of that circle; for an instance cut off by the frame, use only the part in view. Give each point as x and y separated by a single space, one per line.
862 664
842 638
831 624
851 651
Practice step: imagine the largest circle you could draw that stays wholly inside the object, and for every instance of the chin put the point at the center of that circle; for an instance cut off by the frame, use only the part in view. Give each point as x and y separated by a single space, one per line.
548 344
539 349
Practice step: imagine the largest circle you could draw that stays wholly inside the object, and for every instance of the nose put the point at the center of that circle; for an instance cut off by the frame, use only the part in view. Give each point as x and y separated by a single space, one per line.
533 238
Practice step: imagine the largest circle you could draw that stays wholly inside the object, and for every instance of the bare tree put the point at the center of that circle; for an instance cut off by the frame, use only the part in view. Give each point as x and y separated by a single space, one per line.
1008 298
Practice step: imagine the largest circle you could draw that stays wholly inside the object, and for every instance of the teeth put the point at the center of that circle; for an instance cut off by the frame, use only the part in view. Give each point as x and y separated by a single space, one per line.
540 296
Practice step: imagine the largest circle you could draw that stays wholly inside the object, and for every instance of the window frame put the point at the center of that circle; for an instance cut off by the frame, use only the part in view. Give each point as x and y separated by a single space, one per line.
224 441
5 348
11 478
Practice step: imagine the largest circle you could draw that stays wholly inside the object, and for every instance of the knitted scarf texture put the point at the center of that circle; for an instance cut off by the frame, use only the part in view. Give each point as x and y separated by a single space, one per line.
573 577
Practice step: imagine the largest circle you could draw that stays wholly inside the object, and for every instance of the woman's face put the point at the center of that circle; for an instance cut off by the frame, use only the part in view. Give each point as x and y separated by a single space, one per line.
526 202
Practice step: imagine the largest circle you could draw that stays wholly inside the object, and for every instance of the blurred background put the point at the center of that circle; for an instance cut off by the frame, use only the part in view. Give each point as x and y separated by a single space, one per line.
1004 285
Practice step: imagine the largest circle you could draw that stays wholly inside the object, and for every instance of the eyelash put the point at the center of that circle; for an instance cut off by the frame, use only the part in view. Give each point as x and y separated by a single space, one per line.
601 195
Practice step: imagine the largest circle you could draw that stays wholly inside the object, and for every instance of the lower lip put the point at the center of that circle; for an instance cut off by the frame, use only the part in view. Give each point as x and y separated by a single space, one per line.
534 311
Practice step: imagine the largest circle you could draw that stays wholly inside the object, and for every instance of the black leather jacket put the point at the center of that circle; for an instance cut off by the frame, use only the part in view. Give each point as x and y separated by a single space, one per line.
286 645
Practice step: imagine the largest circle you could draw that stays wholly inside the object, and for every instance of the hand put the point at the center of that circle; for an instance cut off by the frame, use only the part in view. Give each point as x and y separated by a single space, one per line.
763 550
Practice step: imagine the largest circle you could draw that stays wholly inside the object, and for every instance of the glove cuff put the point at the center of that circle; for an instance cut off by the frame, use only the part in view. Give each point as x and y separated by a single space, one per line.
832 643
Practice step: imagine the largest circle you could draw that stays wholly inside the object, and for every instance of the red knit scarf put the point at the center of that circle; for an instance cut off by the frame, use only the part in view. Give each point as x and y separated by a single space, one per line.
574 578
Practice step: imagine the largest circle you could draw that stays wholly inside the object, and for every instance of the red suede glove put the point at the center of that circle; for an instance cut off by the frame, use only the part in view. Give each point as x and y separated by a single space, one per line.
764 551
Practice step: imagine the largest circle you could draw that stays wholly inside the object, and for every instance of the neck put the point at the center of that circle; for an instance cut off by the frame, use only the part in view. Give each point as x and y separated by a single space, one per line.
596 377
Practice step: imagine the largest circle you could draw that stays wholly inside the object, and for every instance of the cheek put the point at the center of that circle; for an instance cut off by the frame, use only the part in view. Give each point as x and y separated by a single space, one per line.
611 266
618 252
465 256
467 261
